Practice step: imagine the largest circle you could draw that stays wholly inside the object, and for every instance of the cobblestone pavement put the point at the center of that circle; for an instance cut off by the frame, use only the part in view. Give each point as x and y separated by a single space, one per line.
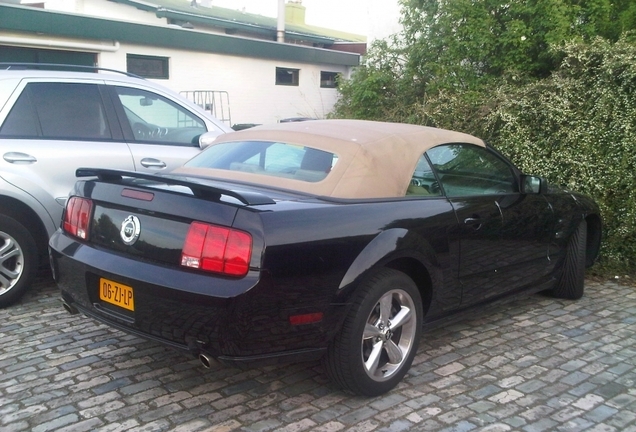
531 365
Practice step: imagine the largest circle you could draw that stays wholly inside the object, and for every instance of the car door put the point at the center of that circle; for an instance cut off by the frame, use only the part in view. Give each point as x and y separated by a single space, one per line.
438 226
53 128
161 133
504 236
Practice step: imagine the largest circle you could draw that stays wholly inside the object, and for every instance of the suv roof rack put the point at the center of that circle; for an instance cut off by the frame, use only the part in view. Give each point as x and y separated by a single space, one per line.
60 66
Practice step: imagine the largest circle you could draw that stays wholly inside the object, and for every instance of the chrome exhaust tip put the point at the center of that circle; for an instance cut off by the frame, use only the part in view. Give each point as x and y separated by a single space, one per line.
69 308
206 360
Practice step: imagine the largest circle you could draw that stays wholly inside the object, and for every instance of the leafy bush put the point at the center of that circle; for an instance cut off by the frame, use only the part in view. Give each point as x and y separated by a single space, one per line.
577 127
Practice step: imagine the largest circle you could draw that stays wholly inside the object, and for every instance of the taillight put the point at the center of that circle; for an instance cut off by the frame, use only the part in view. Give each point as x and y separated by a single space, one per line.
77 217
217 249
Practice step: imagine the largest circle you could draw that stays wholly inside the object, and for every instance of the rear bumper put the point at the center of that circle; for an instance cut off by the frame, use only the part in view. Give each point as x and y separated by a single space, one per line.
236 321
301 355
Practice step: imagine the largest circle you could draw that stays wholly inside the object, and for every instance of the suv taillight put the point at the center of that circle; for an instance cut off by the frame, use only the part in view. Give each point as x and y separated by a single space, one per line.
217 249
77 217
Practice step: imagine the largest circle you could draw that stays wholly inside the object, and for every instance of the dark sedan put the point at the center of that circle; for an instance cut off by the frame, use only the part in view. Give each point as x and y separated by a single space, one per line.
332 239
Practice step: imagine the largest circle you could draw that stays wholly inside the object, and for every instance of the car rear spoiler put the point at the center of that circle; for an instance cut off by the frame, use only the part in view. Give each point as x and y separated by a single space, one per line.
198 189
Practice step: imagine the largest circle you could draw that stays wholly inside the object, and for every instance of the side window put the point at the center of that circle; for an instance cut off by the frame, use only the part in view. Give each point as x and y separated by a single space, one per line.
423 181
156 119
61 111
466 169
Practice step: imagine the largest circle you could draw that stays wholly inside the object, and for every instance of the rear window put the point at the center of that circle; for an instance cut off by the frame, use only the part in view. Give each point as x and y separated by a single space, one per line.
7 86
268 158
58 111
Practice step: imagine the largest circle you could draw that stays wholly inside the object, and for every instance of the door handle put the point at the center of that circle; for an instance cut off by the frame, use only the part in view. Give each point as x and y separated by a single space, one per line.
19 158
475 222
152 163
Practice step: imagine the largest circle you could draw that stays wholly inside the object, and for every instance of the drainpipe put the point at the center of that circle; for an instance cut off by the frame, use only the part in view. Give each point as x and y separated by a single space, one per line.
280 28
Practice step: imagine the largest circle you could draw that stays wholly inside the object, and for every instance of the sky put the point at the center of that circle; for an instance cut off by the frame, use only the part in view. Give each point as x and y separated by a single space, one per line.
376 19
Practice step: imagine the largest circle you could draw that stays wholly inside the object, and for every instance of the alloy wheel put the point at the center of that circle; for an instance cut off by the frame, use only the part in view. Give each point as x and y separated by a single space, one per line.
11 262
389 334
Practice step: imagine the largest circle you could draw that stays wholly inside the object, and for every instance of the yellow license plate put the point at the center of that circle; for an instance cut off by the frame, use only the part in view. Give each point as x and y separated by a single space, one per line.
116 293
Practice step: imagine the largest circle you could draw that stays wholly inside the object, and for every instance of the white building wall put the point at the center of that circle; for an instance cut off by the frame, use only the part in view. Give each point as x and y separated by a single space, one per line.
106 10
250 82
254 96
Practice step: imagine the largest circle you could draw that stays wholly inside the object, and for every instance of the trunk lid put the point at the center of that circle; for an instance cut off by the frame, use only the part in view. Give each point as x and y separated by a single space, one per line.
148 217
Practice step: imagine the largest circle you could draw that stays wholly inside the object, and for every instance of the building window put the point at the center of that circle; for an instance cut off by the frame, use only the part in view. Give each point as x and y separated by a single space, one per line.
328 79
286 76
147 66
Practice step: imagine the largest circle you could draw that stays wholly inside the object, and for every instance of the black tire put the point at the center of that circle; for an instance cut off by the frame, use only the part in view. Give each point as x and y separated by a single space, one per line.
367 330
571 283
18 260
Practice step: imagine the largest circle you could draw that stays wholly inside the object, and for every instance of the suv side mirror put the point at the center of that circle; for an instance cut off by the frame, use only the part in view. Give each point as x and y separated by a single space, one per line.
207 138
533 184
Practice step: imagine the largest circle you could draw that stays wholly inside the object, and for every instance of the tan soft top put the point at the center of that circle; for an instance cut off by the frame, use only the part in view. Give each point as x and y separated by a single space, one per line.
375 159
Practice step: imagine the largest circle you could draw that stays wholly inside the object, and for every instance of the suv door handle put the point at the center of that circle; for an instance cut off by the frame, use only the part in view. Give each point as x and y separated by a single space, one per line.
17 158
152 163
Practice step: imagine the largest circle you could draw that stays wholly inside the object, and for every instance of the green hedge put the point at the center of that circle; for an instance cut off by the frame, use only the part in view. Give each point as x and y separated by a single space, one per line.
577 128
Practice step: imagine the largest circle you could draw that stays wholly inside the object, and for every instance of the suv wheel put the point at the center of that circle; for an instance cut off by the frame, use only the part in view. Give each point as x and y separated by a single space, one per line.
18 260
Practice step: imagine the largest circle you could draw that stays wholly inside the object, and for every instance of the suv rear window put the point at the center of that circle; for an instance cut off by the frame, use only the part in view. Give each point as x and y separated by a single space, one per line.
58 111
268 158
7 86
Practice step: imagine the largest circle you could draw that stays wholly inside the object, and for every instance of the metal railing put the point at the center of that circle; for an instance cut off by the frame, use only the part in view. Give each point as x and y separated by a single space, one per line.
215 102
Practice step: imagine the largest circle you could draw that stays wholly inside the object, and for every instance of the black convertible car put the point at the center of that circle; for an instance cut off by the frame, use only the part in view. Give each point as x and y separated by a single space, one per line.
333 239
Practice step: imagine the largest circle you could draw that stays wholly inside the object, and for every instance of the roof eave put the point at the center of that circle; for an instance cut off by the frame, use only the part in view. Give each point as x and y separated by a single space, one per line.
61 24
270 32
141 5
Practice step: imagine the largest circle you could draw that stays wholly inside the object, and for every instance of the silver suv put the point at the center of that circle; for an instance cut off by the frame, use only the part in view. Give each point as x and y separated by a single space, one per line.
53 122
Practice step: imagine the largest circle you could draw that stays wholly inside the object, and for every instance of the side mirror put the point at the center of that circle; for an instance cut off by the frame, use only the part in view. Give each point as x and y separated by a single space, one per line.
207 138
533 184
